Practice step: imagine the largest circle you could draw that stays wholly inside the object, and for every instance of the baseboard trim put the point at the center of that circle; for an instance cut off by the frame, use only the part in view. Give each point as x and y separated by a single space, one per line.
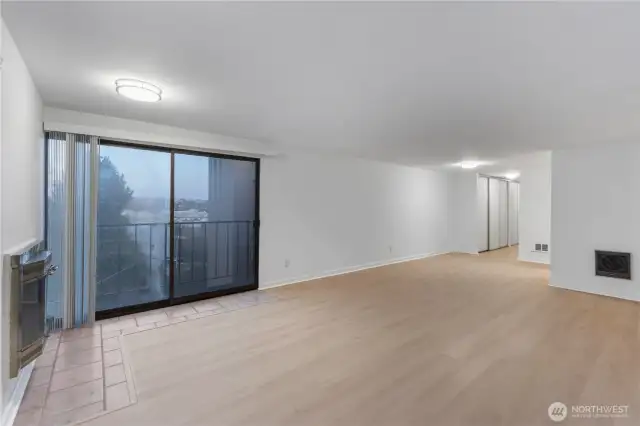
540 262
13 404
593 293
348 270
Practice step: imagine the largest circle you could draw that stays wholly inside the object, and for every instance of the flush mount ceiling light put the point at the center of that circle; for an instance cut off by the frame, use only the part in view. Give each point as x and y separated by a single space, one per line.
138 90
468 164
512 175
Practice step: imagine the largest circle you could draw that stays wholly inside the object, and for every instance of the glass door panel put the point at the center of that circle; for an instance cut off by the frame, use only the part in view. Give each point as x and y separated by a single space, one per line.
214 224
132 227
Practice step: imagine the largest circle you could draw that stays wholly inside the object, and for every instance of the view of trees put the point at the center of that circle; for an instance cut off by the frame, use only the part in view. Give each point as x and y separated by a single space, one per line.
114 195
122 267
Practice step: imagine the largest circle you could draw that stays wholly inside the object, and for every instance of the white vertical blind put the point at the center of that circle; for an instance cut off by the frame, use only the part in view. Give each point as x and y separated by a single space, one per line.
56 214
71 217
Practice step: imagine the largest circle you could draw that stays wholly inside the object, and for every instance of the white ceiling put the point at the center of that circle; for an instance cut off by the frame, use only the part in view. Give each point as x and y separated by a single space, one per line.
415 83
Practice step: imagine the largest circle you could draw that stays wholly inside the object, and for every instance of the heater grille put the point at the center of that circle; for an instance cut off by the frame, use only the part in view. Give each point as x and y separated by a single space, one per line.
613 264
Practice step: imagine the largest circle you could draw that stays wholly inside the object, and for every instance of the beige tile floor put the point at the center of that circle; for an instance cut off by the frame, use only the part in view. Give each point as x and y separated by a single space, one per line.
84 373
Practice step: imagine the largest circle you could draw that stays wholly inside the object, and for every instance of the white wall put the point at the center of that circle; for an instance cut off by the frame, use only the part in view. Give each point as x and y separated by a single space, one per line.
323 214
464 224
328 215
22 151
21 171
596 206
535 207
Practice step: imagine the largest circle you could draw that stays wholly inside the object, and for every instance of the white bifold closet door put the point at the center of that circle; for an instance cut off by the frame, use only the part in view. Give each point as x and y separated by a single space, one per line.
494 214
483 213
514 200
504 213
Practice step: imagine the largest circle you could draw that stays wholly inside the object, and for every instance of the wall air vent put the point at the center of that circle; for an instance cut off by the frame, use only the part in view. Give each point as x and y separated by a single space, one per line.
613 264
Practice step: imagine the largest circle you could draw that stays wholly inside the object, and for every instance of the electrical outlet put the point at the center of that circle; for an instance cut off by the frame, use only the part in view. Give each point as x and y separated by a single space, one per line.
287 262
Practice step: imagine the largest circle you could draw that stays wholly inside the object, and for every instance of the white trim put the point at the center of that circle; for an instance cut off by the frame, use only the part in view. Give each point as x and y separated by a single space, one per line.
13 404
94 155
541 262
594 293
347 270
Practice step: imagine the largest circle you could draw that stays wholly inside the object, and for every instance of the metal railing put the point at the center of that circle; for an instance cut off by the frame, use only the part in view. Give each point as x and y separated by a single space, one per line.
134 259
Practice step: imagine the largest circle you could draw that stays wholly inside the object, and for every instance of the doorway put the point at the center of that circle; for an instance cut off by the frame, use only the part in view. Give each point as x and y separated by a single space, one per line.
498 201
173 226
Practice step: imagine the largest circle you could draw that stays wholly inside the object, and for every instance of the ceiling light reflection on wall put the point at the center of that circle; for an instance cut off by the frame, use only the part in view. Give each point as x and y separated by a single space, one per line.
138 90
512 175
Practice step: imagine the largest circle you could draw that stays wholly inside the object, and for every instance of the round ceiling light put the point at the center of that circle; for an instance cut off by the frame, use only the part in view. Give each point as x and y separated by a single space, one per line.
512 175
468 164
138 90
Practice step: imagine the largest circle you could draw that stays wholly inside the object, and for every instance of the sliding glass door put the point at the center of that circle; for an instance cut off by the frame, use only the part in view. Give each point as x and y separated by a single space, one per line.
172 226
134 190
214 220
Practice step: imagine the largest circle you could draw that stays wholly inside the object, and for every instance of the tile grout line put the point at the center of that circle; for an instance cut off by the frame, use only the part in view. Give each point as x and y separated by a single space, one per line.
52 371
128 374
104 373
104 389
53 367
128 381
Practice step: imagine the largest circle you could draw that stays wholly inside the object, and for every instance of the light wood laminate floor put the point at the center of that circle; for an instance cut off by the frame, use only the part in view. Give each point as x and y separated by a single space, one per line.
449 340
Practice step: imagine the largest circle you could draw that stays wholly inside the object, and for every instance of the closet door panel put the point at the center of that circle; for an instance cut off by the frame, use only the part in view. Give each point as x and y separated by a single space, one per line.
503 213
494 214
483 213
514 201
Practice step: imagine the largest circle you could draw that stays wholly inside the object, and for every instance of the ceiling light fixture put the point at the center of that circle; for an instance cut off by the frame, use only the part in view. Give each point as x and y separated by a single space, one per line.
468 164
512 175
138 90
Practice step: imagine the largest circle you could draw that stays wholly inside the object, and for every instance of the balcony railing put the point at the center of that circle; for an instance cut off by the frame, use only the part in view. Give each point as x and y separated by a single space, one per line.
133 260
